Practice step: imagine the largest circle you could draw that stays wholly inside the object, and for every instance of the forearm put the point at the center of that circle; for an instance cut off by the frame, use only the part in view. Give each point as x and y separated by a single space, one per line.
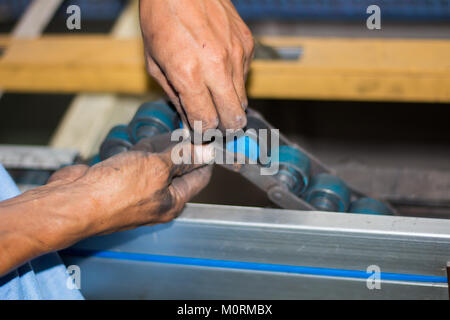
42 220
126 191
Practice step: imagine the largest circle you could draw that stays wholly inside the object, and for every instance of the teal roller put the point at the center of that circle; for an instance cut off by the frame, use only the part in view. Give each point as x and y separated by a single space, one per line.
369 206
116 141
153 118
294 169
94 160
328 193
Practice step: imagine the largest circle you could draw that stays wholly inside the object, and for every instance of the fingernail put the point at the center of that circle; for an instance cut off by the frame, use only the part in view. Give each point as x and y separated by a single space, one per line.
241 121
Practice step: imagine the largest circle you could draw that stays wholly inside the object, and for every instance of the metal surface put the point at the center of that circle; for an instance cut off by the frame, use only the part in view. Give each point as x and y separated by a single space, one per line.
293 254
103 279
33 157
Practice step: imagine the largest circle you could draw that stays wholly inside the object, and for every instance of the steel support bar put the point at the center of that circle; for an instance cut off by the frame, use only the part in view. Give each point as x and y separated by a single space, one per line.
254 253
35 157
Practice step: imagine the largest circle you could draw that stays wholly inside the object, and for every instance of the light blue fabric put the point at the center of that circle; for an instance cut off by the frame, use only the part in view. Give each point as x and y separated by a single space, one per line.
42 278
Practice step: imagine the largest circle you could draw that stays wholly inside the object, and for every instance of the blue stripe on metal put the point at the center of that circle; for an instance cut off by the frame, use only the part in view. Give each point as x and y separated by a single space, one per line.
227 264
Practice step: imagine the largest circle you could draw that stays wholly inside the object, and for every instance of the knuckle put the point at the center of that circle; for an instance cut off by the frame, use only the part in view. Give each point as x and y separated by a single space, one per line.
185 74
187 68
249 42
247 33
238 51
219 55
250 47
206 122
208 119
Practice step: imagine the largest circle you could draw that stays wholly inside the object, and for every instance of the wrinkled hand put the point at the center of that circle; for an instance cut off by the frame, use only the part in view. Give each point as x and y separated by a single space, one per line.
135 188
126 191
199 51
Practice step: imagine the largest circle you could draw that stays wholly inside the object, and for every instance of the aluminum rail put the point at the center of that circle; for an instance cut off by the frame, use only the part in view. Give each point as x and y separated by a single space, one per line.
225 252
36 157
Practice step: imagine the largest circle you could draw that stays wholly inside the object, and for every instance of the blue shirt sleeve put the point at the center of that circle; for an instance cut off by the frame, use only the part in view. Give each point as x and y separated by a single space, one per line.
42 278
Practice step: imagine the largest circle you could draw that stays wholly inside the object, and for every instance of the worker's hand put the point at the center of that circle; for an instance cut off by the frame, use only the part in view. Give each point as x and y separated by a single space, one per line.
136 188
199 51
128 190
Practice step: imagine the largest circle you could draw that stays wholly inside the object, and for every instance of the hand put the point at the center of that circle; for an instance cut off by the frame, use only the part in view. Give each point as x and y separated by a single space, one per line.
126 191
136 188
199 51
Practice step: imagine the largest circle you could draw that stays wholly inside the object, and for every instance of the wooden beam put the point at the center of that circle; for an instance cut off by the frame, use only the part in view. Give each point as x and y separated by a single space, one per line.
74 64
357 69
4 41
32 22
329 68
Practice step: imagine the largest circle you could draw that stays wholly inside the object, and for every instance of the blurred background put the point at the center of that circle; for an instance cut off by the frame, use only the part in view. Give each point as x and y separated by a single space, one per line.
404 128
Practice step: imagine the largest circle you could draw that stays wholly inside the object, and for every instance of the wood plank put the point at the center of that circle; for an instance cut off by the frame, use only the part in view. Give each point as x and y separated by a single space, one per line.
32 22
4 41
333 68
357 69
74 64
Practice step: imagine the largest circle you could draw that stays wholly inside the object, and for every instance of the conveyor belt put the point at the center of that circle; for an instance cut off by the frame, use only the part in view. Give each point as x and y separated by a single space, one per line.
291 177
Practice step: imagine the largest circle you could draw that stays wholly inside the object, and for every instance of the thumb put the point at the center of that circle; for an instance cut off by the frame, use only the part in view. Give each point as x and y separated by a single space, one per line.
184 188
